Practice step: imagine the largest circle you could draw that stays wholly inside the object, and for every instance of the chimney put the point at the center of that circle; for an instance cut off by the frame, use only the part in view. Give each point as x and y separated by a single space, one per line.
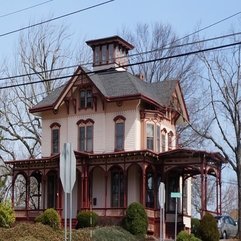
111 52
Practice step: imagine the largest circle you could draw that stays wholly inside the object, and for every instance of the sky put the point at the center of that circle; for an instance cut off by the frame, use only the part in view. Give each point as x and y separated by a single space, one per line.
106 20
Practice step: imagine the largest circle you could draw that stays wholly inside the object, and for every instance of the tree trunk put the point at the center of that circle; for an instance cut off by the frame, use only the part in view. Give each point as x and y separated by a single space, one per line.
239 200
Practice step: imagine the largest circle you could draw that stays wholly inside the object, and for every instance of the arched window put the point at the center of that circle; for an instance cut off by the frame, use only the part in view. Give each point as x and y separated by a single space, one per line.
150 136
163 137
86 98
86 133
117 188
119 132
158 138
170 141
55 138
149 189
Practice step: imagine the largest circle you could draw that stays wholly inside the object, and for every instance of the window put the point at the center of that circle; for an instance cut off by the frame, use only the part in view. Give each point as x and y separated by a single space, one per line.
97 55
86 99
158 133
86 135
51 190
117 188
163 140
150 136
119 133
104 54
55 138
149 190
170 141
111 53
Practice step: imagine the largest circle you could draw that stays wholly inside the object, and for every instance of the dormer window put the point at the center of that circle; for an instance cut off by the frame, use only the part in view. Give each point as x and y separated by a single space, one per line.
86 99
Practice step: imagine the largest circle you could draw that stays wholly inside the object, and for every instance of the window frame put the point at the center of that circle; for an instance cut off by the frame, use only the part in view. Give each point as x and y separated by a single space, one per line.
163 140
117 189
150 139
55 147
119 137
170 140
84 140
85 101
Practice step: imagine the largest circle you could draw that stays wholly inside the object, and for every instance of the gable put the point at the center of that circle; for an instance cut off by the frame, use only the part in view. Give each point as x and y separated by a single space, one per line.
115 85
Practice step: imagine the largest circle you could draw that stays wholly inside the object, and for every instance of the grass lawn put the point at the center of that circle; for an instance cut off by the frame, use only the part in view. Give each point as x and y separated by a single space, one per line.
40 232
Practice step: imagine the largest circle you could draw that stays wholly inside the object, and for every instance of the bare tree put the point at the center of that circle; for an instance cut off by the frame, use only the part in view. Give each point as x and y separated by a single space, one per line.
159 41
219 121
42 53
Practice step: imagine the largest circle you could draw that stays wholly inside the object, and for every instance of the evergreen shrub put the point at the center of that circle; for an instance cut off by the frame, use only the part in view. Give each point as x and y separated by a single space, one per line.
136 221
208 228
7 215
49 217
184 236
195 227
87 219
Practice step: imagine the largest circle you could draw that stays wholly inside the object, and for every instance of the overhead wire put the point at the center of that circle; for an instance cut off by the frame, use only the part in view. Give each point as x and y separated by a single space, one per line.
141 53
127 65
56 18
24 9
129 56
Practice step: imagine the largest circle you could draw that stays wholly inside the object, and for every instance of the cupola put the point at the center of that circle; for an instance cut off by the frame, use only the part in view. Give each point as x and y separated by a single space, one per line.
111 52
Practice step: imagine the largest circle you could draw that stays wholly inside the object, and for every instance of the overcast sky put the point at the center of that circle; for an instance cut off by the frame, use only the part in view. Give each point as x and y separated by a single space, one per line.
185 16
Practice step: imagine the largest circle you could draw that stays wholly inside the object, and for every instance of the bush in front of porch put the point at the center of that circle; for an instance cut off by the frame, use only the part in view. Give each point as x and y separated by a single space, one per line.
49 217
86 219
7 215
136 221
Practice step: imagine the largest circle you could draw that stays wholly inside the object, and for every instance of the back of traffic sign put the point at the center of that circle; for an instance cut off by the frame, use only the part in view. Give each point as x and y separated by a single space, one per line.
67 168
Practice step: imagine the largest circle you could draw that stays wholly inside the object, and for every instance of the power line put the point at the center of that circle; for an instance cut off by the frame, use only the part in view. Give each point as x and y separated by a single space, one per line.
55 18
128 65
209 26
24 9
129 56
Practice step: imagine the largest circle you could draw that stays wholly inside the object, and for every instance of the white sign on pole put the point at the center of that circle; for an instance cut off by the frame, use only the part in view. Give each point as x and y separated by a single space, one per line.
67 168
161 194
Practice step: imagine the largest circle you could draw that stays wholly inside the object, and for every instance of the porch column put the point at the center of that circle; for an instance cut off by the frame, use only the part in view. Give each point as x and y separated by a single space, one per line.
144 189
202 191
13 182
217 195
220 191
27 194
125 188
106 180
44 191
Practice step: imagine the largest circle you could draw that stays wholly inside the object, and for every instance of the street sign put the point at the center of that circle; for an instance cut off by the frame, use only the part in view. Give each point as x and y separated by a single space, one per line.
176 195
67 168
161 194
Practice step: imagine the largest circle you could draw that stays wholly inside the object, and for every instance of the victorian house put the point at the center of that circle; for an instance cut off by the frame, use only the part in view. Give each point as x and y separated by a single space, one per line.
123 132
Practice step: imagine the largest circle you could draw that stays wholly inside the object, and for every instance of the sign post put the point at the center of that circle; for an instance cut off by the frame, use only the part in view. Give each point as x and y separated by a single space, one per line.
176 195
161 198
67 176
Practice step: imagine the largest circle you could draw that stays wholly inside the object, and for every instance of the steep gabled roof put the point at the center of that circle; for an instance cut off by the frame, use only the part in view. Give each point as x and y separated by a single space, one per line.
113 85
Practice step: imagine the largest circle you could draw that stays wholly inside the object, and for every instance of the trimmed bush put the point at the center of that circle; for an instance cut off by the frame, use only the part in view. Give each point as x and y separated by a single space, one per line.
86 219
184 236
136 221
208 228
49 217
195 227
7 215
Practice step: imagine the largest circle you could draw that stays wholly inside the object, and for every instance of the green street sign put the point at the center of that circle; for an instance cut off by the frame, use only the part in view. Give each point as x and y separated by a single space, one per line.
176 195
